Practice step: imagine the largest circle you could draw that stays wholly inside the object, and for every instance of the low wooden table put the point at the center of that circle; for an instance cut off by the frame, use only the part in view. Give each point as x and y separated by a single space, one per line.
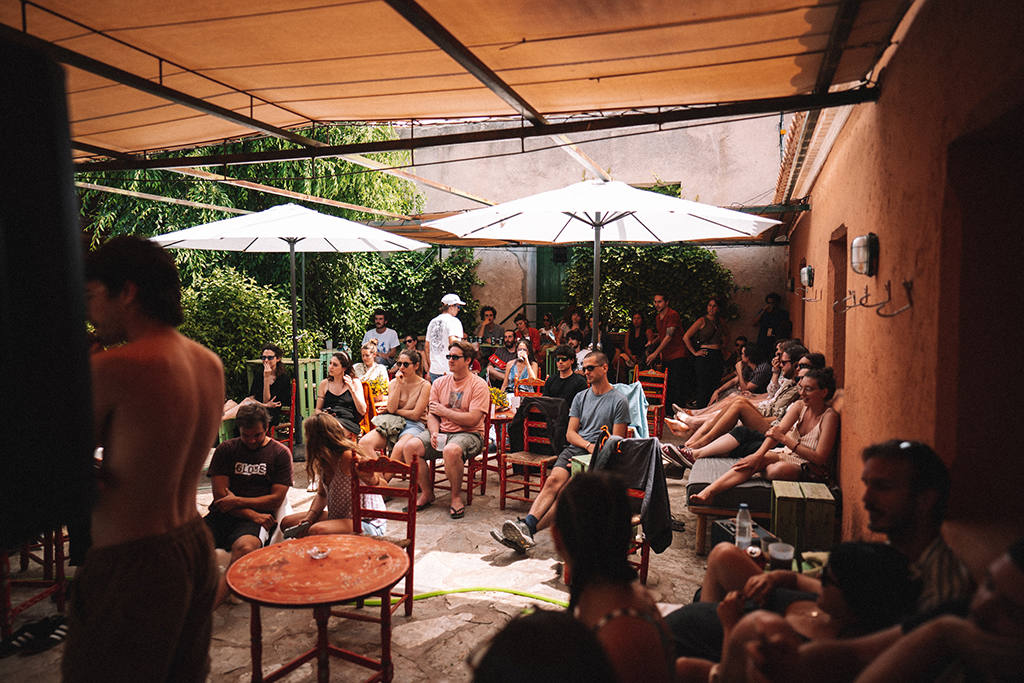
287 575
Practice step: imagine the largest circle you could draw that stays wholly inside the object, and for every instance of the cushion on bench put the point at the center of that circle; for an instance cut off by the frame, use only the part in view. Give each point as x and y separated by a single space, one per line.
755 492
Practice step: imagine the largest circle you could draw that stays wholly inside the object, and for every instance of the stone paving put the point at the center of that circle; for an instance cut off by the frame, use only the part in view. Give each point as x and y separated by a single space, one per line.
433 643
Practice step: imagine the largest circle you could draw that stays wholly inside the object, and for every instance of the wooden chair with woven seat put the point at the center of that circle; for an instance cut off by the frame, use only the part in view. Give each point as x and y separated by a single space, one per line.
539 458
655 386
401 484
476 467
53 583
529 387
285 431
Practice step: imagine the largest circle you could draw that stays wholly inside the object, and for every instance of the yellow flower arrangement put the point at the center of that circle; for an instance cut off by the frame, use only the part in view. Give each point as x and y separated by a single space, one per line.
378 386
499 398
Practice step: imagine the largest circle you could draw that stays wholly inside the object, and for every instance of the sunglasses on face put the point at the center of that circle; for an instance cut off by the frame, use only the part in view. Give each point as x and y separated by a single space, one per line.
562 358
410 341
451 357
402 364
268 357
804 366
588 368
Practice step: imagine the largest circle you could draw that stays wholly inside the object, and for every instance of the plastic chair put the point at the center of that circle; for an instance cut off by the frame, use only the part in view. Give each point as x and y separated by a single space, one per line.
476 467
529 387
287 429
535 431
407 490
655 386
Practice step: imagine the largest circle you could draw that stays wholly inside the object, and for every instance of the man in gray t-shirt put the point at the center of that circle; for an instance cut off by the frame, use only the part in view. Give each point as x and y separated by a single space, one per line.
599 406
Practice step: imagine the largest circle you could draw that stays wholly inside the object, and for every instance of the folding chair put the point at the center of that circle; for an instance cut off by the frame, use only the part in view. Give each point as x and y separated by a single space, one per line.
396 472
655 386
287 429
535 431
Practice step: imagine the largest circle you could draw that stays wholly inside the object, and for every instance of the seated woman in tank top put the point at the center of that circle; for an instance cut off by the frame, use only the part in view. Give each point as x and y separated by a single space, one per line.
408 397
341 394
806 434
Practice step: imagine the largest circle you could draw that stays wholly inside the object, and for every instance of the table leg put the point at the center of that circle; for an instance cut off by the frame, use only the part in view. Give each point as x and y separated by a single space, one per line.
256 642
386 667
323 671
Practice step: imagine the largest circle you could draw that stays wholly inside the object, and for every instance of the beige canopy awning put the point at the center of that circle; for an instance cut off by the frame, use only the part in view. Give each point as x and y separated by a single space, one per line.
159 75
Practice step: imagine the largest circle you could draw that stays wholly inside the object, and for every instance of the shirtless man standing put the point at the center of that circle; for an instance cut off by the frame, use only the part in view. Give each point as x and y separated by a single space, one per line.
142 605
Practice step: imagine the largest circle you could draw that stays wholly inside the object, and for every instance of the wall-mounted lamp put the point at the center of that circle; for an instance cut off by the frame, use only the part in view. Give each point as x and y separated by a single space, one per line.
864 254
807 276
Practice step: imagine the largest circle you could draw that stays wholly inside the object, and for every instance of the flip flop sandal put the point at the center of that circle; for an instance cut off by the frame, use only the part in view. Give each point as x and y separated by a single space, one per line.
456 514
419 508
57 632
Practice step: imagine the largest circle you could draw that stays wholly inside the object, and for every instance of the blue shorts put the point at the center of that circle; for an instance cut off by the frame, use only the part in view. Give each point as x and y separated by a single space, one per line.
412 427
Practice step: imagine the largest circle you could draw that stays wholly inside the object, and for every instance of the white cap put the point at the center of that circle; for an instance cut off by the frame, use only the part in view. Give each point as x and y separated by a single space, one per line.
452 300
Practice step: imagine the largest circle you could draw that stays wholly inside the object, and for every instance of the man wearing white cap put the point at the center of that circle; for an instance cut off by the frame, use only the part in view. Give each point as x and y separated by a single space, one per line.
442 331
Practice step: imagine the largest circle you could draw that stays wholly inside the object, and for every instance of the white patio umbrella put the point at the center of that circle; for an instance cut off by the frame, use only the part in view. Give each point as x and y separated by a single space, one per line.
287 228
601 211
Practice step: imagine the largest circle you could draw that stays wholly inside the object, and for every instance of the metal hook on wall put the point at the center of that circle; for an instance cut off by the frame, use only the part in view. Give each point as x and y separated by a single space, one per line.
907 285
807 290
852 297
864 299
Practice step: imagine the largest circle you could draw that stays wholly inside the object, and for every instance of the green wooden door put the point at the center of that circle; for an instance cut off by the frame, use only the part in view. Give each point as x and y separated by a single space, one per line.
551 264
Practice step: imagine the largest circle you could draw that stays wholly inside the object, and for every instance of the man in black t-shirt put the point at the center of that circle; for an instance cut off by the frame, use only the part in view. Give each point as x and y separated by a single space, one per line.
564 384
250 476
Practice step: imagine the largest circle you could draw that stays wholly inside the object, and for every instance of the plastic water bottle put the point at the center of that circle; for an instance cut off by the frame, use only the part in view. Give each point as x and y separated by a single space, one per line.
744 527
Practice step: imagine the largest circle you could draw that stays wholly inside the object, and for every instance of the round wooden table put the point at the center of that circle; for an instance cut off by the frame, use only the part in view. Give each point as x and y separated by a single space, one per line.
318 572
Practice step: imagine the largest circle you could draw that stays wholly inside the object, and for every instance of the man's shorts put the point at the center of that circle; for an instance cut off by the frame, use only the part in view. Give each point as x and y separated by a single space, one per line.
227 529
749 441
471 444
567 454
143 610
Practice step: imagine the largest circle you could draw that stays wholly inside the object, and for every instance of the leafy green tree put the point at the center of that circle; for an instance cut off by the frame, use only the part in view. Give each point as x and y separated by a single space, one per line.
234 317
632 275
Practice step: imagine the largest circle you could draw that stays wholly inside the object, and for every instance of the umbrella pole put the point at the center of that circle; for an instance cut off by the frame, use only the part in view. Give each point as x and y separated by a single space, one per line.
296 415
594 336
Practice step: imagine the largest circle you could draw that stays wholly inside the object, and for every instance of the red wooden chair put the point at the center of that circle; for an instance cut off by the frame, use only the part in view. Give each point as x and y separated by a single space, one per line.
655 386
518 487
401 484
529 387
52 583
476 467
285 431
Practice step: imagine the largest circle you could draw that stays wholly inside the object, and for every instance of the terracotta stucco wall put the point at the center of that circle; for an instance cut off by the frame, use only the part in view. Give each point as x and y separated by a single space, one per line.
888 174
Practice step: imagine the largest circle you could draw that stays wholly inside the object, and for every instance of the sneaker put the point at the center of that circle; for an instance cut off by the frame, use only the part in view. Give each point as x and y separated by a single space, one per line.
496 535
518 533
682 457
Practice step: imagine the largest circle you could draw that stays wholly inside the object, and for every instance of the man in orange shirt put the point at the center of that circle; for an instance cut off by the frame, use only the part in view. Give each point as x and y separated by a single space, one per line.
671 348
